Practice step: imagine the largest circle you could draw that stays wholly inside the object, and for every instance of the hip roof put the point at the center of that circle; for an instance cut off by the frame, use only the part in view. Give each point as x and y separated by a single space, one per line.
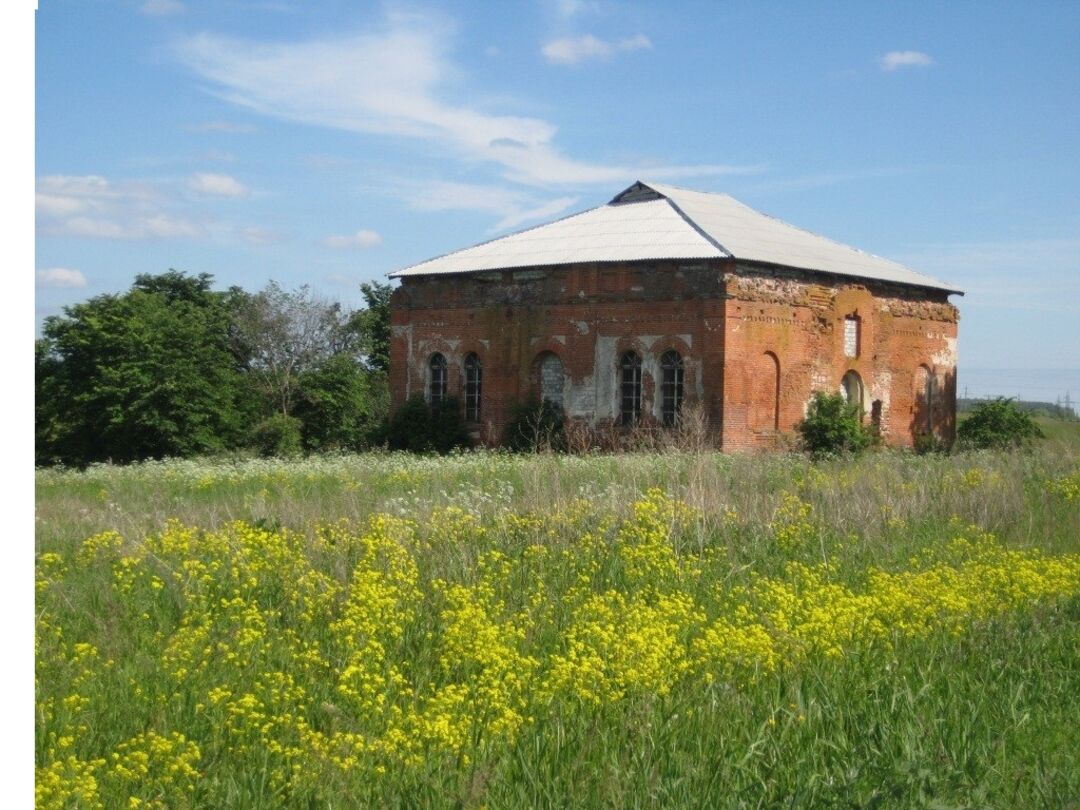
653 221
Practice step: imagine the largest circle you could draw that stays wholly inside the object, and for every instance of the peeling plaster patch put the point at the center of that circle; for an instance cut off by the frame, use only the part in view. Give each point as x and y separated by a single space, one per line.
581 326
881 389
947 356
485 343
559 339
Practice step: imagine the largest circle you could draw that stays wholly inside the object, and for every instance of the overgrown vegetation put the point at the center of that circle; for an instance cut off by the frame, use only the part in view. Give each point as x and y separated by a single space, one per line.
420 427
833 426
536 425
175 368
489 629
995 424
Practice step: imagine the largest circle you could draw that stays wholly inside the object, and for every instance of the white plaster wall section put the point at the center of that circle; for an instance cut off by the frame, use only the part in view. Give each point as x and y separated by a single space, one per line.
582 327
881 388
946 358
605 372
579 398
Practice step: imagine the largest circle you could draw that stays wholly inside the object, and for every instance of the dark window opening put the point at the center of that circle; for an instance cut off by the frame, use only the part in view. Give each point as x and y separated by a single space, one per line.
437 380
473 380
671 387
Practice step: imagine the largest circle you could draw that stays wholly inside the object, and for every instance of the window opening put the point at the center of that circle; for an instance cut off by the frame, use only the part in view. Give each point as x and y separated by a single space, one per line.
473 380
852 389
437 383
671 387
851 336
630 406
552 379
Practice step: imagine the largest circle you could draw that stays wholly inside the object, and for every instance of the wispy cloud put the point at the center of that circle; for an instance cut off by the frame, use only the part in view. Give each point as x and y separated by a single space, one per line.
60 278
514 207
393 82
162 8
91 206
361 239
894 60
218 185
572 50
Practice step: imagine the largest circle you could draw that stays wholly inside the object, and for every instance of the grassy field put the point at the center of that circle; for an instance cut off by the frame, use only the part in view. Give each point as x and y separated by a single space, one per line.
679 630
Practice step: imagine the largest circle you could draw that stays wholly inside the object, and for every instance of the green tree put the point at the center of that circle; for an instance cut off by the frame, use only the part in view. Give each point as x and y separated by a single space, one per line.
833 425
146 373
340 404
373 324
998 423
284 334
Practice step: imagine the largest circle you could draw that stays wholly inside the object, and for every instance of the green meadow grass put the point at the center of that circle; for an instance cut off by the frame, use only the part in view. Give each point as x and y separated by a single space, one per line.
984 713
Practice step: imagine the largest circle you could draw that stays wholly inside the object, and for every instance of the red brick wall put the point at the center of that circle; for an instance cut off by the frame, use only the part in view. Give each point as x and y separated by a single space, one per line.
734 327
799 321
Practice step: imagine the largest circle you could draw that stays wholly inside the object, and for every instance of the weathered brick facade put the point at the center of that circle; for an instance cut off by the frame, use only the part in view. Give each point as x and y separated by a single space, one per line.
755 342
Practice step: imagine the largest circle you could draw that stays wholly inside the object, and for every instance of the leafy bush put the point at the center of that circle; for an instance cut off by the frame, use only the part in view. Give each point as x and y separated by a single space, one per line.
833 425
341 405
998 423
278 435
535 426
419 428
447 427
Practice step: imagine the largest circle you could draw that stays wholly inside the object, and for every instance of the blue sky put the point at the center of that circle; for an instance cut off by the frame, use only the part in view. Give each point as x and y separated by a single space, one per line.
332 142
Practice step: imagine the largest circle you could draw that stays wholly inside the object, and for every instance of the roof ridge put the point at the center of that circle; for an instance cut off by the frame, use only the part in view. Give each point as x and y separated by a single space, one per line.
697 228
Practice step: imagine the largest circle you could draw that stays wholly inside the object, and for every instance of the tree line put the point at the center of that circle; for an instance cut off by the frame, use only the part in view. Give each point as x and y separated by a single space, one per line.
173 367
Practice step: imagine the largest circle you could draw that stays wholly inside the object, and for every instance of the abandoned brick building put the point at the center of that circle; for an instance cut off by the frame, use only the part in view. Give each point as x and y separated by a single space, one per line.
666 298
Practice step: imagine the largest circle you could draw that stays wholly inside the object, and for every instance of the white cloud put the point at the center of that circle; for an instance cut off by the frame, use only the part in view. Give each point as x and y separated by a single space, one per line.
61 277
572 50
91 206
393 83
162 8
894 60
361 239
220 185
512 206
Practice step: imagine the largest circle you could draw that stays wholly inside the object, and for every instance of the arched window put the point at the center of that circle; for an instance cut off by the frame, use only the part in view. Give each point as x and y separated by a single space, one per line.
852 389
436 379
671 387
474 374
552 379
630 404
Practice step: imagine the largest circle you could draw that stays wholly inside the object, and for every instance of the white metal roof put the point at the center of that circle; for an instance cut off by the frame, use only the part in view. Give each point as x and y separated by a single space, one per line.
652 221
